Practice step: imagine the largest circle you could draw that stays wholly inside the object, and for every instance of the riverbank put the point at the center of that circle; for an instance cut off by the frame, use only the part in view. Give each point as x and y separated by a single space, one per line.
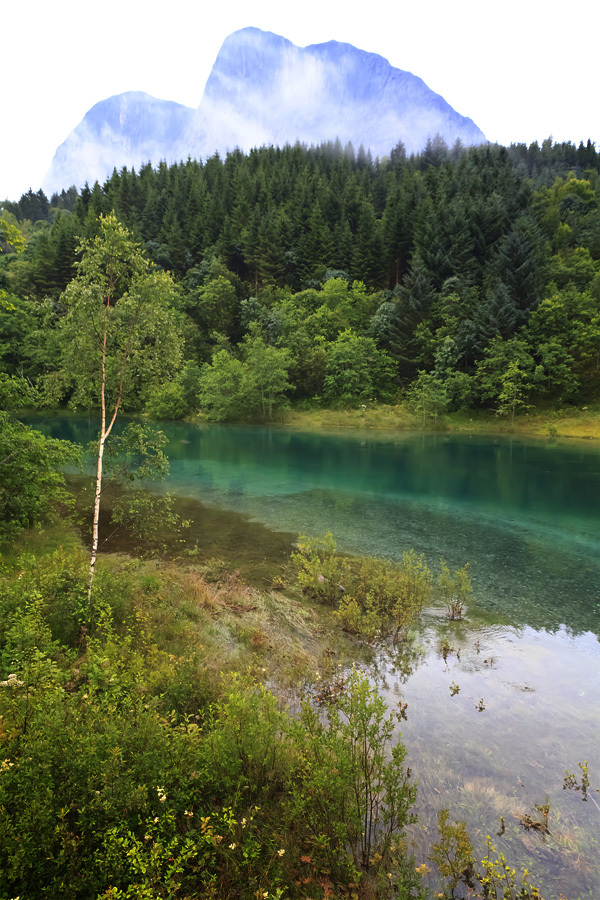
150 750
572 422
580 423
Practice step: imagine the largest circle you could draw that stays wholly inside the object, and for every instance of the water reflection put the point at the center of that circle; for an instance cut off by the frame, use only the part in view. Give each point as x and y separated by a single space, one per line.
526 710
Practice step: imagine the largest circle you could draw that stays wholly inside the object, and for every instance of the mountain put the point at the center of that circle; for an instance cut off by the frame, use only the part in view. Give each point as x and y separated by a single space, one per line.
125 130
263 89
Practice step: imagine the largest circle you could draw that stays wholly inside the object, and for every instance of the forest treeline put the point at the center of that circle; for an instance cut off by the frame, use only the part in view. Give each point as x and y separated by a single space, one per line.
456 278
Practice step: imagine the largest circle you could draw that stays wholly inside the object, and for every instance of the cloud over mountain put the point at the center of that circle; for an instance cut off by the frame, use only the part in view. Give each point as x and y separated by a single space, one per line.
125 130
263 89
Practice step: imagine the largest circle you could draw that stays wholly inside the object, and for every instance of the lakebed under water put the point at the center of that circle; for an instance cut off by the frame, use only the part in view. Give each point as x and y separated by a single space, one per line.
526 660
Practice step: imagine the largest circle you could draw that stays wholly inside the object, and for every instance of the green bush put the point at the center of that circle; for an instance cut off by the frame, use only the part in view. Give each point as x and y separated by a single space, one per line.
31 481
117 782
167 401
371 596
455 589
59 580
354 793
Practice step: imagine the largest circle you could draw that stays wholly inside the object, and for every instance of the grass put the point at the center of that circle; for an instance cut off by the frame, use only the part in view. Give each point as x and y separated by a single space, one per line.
571 422
238 626
373 416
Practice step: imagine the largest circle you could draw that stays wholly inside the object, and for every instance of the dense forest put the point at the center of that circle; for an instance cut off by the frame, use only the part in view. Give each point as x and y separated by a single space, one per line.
456 278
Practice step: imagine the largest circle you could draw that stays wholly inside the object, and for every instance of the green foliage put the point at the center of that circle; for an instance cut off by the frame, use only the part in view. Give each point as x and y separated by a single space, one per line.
15 392
217 305
359 618
514 391
31 483
319 569
19 340
357 371
248 743
566 329
370 596
463 245
572 782
136 455
120 335
453 853
135 459
492 879
58 580
427 397
266 382
455 589
505 375
10 235
355 791
220 389
142 868
167 401
254 387
104 792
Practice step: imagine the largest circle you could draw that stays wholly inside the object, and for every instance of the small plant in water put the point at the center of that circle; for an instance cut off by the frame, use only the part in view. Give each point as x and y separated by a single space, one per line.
454 689
446 650
454 856
370 597
571 782
539 823
455 589
480 706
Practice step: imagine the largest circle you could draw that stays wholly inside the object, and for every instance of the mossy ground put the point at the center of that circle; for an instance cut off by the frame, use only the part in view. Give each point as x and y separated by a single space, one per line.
568 422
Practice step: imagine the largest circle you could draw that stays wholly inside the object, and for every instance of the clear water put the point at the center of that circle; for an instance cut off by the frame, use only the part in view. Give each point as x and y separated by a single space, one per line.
526 516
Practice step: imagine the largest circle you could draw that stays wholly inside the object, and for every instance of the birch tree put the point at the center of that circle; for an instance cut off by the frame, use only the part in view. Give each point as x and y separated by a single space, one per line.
119 337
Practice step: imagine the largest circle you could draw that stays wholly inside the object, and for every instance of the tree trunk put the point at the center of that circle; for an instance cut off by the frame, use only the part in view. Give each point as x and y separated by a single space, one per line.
103 435
96 522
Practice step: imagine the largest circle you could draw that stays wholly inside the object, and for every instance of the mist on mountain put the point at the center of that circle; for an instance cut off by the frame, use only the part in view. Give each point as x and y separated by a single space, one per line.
263 89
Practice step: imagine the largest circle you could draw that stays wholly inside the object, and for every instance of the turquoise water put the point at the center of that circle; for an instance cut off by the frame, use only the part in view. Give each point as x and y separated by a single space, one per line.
526 516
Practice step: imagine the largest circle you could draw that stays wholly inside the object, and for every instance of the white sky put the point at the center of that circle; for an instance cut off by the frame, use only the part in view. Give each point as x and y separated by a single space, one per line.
521 69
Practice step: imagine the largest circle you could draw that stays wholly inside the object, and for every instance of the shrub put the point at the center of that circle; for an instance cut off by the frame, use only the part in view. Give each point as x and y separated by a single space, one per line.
167 402
354 791
59 580
454 857
455 589
370 595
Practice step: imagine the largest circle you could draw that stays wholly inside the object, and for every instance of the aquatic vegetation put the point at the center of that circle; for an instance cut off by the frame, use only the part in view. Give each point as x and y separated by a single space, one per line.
371 597
572 782
492 878
455 589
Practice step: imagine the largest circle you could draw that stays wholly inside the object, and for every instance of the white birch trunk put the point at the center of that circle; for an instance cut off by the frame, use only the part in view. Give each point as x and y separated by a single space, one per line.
95 527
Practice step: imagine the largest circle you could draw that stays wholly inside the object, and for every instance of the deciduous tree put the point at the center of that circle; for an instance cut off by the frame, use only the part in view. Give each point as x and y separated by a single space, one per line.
119 336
